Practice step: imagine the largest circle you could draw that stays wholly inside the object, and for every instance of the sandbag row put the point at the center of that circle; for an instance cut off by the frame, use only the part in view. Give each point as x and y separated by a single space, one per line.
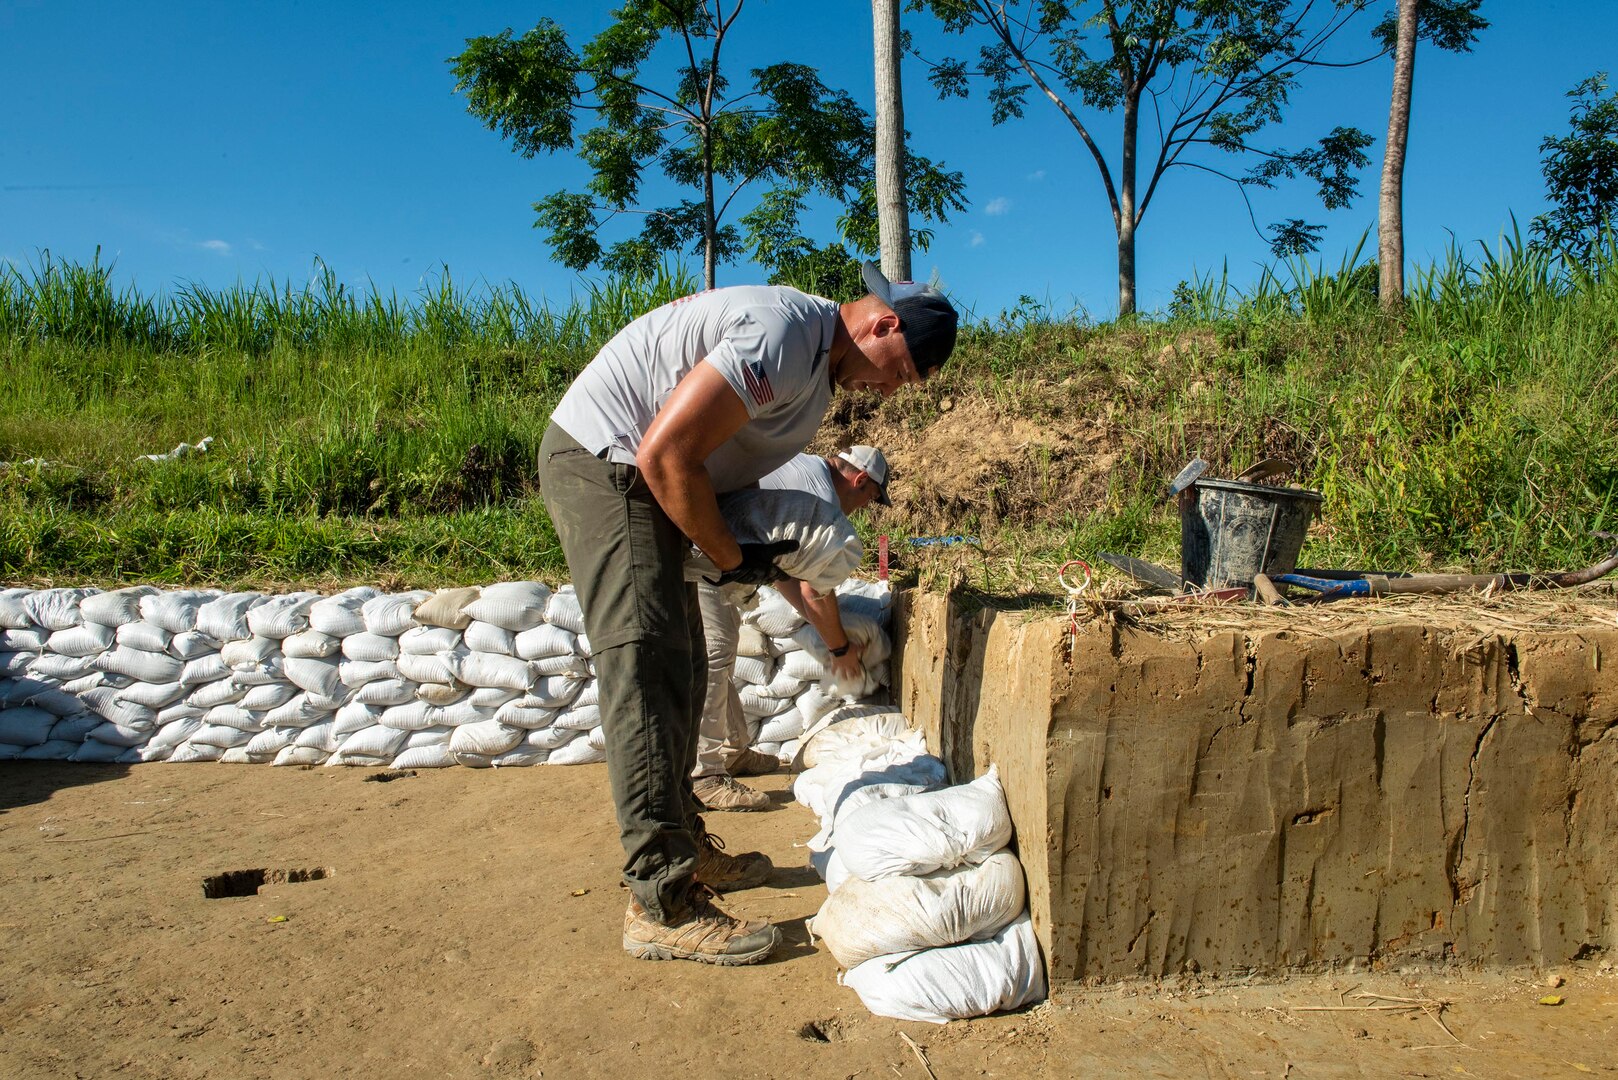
485 677
926 911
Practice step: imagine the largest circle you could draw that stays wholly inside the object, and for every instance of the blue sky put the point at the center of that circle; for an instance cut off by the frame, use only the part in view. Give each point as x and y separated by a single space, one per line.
211 143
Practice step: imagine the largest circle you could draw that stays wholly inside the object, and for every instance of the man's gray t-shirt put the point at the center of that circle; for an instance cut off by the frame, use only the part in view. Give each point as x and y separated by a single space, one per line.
806 472
772 345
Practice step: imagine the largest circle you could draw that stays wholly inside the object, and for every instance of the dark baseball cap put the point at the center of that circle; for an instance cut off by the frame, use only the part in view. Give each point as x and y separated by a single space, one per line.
926 316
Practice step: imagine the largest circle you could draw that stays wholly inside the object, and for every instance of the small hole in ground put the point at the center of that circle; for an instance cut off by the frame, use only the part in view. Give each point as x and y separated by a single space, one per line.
248 882
384 777
812 1032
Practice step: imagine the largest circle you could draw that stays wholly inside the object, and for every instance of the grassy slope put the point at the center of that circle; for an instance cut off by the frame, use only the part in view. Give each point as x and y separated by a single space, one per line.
361 439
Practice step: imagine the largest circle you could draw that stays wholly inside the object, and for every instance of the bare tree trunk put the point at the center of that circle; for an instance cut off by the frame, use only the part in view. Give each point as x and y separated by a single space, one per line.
710 225
893 213
1124 216
1390 232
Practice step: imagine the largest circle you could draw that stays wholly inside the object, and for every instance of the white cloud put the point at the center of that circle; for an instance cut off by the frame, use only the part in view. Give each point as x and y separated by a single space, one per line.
998 207
1037 175
976 239
218 247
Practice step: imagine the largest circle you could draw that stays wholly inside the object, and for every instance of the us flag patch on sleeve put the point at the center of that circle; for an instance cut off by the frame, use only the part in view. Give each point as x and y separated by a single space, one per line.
758 383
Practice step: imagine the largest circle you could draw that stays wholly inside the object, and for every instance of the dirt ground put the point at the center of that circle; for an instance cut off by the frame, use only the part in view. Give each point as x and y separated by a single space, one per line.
469 927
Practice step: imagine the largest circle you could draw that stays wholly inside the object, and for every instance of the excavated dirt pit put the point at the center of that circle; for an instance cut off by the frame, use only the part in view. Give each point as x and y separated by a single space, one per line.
1430 783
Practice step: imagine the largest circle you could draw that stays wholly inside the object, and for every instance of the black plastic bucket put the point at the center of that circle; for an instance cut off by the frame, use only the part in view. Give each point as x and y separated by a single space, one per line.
1230 531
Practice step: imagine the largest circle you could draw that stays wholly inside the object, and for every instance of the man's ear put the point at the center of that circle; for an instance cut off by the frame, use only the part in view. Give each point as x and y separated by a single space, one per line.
885 324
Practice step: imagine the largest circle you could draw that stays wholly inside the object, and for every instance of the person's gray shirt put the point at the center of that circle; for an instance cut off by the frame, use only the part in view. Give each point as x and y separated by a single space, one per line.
806 472
771 344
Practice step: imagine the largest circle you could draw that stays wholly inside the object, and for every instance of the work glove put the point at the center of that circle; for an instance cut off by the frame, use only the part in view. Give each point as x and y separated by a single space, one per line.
758 564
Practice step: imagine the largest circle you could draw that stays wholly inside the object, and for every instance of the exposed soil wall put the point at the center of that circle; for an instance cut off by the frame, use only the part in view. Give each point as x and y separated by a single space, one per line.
1285 799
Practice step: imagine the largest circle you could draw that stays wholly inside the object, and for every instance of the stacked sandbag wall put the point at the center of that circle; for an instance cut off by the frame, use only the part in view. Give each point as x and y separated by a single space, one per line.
494 676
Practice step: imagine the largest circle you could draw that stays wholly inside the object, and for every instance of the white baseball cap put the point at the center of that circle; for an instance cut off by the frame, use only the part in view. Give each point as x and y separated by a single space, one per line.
869 460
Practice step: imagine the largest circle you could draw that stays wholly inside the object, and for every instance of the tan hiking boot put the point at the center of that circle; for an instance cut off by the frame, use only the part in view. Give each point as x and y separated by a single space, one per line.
702 932
724 793
729 873
750 762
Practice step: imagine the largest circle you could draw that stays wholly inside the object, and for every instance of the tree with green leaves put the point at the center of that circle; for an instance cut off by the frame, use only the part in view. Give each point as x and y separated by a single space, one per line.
1581 174
657 86
1210 76
1452 25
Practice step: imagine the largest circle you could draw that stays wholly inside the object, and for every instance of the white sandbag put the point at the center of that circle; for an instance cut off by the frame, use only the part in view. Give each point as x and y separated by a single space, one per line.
114 608
140 665
563 610
369 647
76 728
578 717
433 736
447 608
51 750
339 616
440 693
936 830
814 705
103 701
356 673
787 751
191 753
783 685
207 668
234 716
823 787
805 665
33 639
175 611
83 683
519 756
237 755
903 914
140 634
220 692
355 716
312 645
424 757
597 738
260 674
551 738
86 639
22 663
11 751
375 742
56 609
100 753
25 725
571 665
753 670
270 696
301 755
953 983
282 616
146 753
168 736
850 732
152 695
755 704
528 719
581 644
248 651
512 605
40 692
462 712
299 711
774 617
544 640
332 702
224 618
122 737
425 640
321 736
269 742
13 616
427 667
182 711
221 735
316 676
386 692
490 669
783 727
589 694
410 716
191 645
392 615
487 737
577 752
486 637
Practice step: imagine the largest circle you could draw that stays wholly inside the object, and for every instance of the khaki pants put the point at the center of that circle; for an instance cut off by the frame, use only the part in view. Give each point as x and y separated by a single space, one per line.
627 560
722 731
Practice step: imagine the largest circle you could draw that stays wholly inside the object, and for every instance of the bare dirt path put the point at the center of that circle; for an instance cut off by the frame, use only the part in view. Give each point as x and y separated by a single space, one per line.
469 928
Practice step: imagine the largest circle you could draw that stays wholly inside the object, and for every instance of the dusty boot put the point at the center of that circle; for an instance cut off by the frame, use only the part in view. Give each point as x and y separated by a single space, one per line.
724 793
728 873
750 762
702 932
